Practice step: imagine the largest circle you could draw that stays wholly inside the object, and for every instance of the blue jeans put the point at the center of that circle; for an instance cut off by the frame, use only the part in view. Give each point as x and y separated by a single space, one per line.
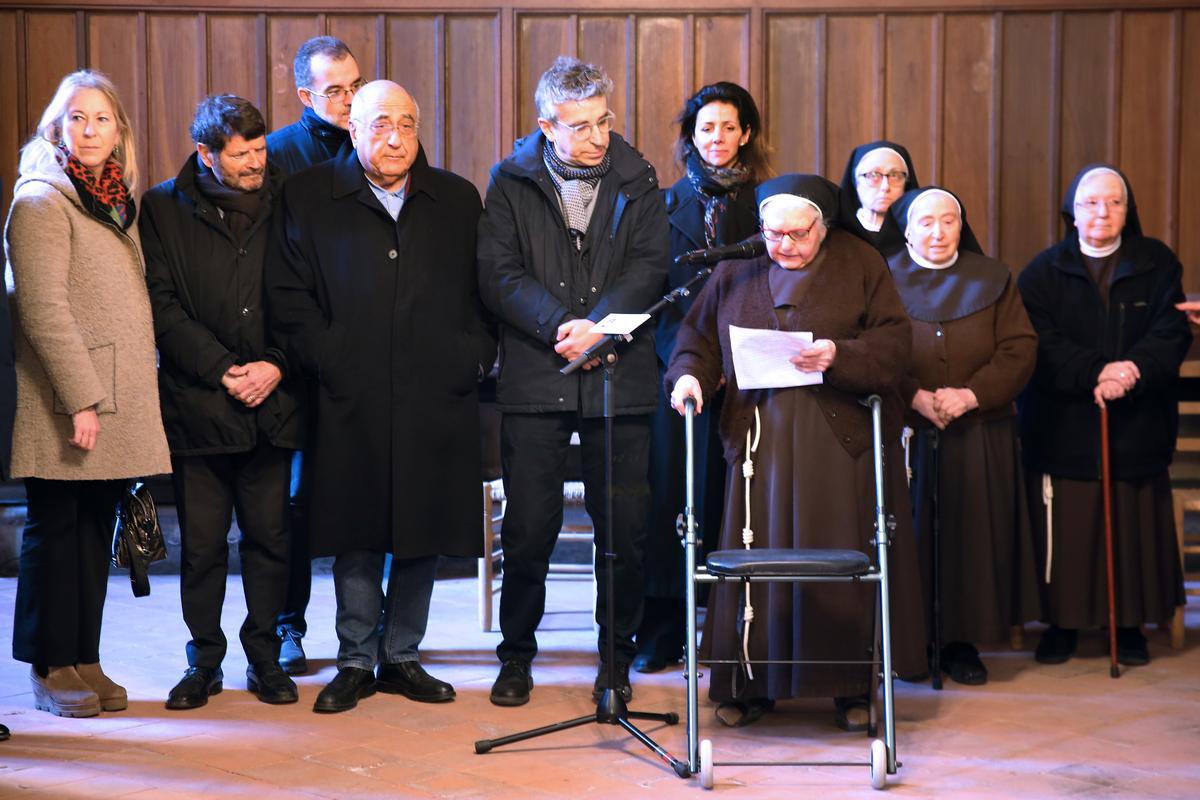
358 586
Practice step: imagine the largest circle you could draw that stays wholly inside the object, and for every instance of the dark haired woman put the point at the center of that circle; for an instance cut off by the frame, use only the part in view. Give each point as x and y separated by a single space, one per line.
721 151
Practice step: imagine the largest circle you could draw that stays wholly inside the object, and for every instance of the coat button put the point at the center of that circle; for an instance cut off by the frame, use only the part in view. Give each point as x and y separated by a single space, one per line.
392 254
562 400
846 439
242 252
833 414
939 333
562 283
594 290
583 301
245 312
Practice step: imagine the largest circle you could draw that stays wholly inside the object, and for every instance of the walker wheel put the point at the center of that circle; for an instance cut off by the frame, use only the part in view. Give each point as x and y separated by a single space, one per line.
706 763
878 764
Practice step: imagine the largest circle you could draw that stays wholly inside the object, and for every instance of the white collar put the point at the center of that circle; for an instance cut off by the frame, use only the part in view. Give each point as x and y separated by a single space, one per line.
926 263
1099 252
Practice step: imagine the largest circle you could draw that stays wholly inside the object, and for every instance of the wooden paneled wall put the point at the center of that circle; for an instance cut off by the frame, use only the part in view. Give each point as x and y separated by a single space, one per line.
1002 100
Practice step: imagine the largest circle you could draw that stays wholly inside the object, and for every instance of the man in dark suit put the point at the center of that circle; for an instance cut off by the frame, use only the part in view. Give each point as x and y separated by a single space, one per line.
327 76
373 295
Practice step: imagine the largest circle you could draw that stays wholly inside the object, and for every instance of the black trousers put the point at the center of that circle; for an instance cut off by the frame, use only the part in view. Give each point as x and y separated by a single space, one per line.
533 450
208 489
65 552
299 588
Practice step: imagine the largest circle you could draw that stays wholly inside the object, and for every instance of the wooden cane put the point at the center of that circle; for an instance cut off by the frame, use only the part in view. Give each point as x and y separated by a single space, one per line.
1106 478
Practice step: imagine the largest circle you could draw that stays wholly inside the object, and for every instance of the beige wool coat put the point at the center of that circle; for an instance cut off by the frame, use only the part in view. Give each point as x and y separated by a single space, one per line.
82 331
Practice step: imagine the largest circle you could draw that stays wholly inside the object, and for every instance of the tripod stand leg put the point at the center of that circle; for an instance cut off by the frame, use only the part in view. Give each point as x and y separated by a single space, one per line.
670 717
680 767
484 745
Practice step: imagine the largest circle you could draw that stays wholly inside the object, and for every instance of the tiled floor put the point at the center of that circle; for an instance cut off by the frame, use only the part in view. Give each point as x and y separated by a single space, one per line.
1033 731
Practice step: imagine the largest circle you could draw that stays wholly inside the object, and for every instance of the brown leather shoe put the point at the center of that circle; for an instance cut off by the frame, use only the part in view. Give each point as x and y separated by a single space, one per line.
64 693
113 696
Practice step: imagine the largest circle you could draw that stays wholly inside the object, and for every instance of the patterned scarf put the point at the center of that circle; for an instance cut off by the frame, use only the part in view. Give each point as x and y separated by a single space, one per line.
576 187
109 193
716 186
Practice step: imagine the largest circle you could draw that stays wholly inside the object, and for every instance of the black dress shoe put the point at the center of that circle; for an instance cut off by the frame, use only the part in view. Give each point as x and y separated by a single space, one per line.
291 652
410 679
344 691
270 683
962 661
1057 645
647 663
513 684
1132 650
4 734
623 686
196 686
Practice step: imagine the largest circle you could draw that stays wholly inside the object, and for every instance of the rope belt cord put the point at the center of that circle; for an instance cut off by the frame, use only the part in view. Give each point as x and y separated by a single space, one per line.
1048 502
752 438
906 436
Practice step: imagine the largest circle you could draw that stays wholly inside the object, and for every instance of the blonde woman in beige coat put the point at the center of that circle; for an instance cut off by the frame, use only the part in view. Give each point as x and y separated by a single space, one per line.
87 399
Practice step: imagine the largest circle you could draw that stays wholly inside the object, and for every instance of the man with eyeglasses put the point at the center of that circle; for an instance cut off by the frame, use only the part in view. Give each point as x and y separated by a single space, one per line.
327 77
574 229
373 294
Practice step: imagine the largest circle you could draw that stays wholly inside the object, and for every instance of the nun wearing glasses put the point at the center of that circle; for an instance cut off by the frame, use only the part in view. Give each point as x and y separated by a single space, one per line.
973 350
811 451
1109 336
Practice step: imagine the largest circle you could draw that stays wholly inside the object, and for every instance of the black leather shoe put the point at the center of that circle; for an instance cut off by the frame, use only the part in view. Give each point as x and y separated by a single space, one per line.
651 662
4 734
344 691
962 661
267 680
291 652
622 677
1132 650
513 684
193 690
410 679
1057 645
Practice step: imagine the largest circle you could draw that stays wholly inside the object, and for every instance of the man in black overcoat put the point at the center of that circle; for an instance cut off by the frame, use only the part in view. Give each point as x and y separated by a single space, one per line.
574 229
327 76
372 292
229 404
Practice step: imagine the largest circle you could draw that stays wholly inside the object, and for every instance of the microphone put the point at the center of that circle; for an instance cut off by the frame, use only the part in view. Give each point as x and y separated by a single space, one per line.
750 248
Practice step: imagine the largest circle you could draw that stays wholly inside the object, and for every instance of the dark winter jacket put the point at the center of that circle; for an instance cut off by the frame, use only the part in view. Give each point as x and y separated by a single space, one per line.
685 210
206 292
307 141
1078 335
533 279
384 314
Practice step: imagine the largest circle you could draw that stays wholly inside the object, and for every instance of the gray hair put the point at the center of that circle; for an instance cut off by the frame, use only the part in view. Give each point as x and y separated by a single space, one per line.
329 46
569 79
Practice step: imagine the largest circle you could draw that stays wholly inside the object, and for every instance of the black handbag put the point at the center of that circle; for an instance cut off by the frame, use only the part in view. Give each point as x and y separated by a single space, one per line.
137 536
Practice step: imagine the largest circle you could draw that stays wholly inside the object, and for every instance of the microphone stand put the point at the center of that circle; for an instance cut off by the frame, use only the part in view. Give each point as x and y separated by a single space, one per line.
611 709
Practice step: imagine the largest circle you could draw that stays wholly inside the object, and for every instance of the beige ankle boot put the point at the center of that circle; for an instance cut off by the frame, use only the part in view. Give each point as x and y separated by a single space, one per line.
113 696
64 693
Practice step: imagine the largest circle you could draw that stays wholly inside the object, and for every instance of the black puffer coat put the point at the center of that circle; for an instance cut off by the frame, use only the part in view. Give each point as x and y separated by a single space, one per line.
533 279
206 291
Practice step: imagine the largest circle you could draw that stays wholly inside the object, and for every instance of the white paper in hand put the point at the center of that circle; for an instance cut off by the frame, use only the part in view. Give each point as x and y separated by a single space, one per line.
619 324
760 358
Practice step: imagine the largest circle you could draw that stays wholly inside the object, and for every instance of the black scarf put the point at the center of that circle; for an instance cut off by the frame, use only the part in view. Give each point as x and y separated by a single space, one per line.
716 187
576 187
239 209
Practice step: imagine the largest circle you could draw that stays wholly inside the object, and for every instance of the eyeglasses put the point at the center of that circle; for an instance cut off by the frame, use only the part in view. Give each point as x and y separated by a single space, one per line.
1093 204
337 93
384 129
583 131
799 236
895 178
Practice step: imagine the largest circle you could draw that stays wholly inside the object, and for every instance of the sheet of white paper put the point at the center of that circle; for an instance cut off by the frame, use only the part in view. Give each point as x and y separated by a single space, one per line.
760 358
620 324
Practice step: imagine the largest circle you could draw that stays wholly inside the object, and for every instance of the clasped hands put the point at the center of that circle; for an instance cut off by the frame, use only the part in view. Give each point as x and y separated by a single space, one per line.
945 405
252 383
1115 381
574 337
